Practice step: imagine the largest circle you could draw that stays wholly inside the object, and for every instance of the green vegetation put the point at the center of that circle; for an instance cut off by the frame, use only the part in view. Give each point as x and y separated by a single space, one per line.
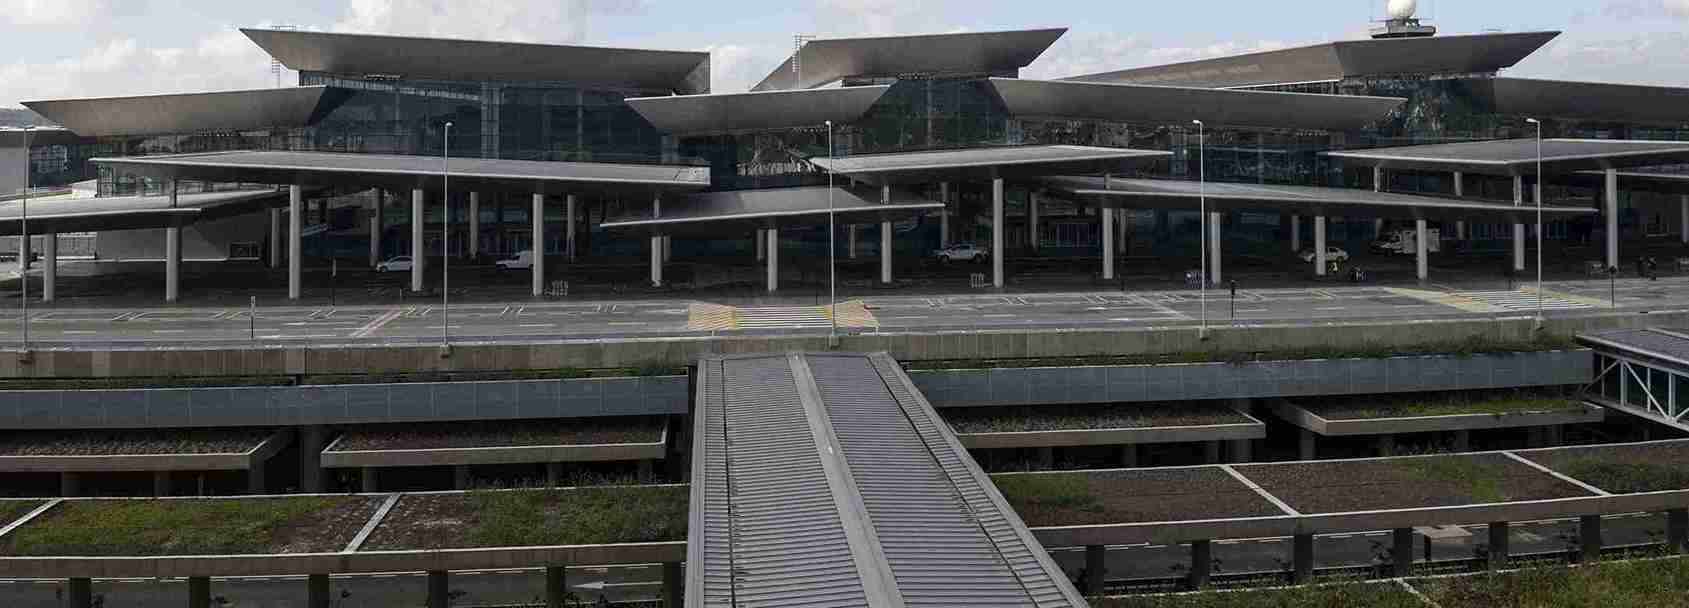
567 373
11 510
1634 584
1626 477
1441 404
1481 481
1049 490
515 518
1087 417
1336 595
1460 348
191 527
1129 496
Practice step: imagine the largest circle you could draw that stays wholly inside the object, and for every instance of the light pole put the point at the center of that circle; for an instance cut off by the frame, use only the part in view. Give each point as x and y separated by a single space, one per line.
445 240
1202 220
1538 123
23 245
832 247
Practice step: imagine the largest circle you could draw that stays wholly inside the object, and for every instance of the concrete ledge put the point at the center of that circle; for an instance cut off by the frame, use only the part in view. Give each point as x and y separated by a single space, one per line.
340 563
1303 418
332 458
1085 437
242 461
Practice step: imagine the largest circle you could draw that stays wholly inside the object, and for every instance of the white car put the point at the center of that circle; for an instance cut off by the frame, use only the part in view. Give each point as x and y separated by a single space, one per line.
524 260
397 264
961 252
1332 254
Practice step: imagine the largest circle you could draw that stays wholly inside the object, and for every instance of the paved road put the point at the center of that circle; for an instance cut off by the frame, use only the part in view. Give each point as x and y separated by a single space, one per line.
422 321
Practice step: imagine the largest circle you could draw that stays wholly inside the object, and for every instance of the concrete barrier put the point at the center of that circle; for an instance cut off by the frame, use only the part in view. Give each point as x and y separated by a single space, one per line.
240 461
521 454
1301 417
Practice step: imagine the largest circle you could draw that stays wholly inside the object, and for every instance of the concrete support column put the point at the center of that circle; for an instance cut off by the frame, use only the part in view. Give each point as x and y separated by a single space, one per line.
773 259
1518 229
1306 446
474 224
1202 563
317 591
1211 452
657 246
1498 545
439 589
1214 220
1302 558
256 480
79 592
311 438
646 470
1108 245
1046 457
295 240
1032 220
50 266
1683 220
539 244
997 233
1377 179
1610 211
569 239
370 480
418 221
556 586
1319 245
199 592
1386 445
1463 441
1096 569
460 477
1422 250
375 235
1459 184
885 239
276 237
944 216
1240 451
674 585
850 239
553 474
761 240
1589 539
70 484
1401 552
1129 456
1295 233
172 263
1677 531
161 483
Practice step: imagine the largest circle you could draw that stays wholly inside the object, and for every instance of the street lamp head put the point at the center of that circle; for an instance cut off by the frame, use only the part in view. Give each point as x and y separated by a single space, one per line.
1196 122
1533 121
829 124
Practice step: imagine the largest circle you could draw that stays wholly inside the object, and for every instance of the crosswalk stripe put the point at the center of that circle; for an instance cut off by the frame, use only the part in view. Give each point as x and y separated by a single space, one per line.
1522 300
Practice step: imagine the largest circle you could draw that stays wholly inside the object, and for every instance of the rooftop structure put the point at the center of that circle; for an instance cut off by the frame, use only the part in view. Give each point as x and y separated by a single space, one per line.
821 62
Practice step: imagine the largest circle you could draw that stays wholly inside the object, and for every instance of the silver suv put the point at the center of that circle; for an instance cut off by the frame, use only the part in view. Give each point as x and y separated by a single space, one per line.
961 252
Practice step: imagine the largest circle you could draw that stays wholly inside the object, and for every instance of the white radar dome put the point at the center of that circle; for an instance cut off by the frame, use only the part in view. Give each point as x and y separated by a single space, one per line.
1401 9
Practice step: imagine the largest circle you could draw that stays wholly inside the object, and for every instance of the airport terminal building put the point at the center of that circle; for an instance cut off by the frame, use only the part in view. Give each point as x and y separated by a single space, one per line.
904 144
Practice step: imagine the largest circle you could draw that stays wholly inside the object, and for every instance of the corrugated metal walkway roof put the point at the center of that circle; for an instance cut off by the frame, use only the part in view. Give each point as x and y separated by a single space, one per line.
828 480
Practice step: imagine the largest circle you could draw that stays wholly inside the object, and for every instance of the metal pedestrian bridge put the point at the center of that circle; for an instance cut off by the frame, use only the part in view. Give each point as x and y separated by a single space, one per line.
824 480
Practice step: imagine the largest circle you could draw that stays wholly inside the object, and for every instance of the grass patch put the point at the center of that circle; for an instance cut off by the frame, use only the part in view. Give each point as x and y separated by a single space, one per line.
1336 595
1496 403
513 518
1622 469
191 527
1402 483
1051 490
11 510
1635 584
1480 480
1372 350
1129 496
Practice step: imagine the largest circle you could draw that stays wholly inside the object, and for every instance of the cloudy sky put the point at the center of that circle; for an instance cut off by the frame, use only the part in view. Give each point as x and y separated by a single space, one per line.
85 48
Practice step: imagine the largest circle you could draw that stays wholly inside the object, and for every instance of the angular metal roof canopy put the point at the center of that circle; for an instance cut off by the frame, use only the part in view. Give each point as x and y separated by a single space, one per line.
1164 104
1592 100
192 112
1519 156
823 61
1010 162
1306 200
1331 61
1665 345
829 480
67 214
406 172
741 211
723 113
481 60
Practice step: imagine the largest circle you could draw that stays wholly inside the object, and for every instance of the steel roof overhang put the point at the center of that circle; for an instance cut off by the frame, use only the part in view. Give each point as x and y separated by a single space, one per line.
482 60
1332 61
410 172
1305 200
13 137
1630 181
703 114
1519 156
1180 105
742 211
978 164
62 215
1667 106
827 60
193 112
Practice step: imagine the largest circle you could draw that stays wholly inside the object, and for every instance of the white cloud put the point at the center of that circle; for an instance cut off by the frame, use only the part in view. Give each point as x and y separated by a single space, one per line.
221 61
1656 58
553 21
736 68
50 12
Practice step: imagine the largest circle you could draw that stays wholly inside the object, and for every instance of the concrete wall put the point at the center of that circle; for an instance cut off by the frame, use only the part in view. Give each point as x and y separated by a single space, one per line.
152 361
1181 382
349 404
200 241
13 159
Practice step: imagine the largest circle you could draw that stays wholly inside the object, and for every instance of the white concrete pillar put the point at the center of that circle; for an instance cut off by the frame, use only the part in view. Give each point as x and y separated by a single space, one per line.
1319 245
885 239
1683 221
418 220
295 240
851 238
1377 227
657 245
1421 250
569 240
50 265
1459 184
997 233
762 244
475 224
172 263
1032 219
773 259
1214 220
538 218
275 238
668 249
1518 228
375 230
1377 179
1107 220
1295 233
944 216
1611 211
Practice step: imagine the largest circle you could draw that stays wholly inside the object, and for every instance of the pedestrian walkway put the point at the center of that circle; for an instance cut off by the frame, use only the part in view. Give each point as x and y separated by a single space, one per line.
715 317
1524 300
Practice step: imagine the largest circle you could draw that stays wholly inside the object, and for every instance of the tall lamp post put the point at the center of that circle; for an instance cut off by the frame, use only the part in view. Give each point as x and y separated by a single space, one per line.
445 240
832 248
1538 123
1202 220
23 245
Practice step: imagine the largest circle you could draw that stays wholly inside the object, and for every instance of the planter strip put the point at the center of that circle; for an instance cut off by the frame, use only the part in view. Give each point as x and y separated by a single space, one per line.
374 521
29 516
